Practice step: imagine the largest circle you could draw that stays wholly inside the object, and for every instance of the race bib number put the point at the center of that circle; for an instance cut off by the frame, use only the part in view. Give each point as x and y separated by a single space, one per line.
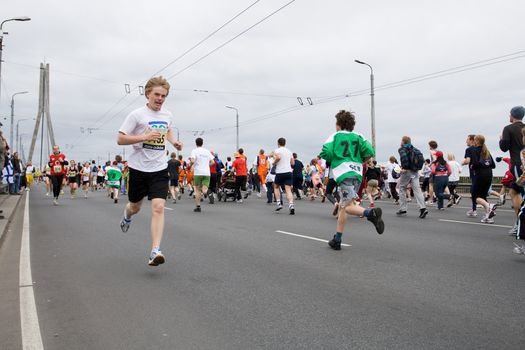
57 169
160 143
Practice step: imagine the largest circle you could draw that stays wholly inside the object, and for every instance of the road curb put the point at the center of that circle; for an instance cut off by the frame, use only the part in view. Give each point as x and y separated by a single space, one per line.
9 206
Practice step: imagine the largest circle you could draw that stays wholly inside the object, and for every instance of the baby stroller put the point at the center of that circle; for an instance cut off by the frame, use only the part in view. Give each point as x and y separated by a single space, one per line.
226 188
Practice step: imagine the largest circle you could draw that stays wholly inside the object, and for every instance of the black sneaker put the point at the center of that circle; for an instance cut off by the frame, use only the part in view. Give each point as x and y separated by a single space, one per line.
292 210
211 197
335 245
115 200
375 218
197 209
423 213
401 212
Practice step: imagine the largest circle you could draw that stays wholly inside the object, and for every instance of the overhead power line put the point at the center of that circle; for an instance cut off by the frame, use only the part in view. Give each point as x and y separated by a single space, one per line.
204 39
203 57
232 39
404 82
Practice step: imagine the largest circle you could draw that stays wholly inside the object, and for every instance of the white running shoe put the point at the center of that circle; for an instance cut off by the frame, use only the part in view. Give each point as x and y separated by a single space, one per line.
502 199
55 201
156 258
492 210
519 248
514 230
472 213
487 220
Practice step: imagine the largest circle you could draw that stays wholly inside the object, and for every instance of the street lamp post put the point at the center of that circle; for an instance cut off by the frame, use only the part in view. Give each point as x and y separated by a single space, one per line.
372 108
236 124
13 115
1 47
19 142
17 148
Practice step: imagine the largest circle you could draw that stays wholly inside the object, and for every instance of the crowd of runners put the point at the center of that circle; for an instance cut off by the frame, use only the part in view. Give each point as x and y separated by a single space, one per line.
345 173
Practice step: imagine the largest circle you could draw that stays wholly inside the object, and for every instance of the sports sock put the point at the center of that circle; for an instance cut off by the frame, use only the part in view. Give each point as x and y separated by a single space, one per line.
367 212
338 236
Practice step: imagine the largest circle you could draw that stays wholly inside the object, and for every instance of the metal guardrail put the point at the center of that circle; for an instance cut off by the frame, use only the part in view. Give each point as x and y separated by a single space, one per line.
464 184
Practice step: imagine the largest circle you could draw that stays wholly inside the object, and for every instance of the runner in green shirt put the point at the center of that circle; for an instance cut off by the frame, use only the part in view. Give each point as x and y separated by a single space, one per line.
113 175
346 151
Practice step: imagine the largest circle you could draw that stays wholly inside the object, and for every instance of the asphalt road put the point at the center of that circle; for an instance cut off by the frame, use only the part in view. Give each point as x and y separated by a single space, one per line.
231 281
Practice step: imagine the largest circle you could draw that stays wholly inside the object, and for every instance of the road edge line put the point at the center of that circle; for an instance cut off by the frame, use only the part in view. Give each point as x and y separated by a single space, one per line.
31 336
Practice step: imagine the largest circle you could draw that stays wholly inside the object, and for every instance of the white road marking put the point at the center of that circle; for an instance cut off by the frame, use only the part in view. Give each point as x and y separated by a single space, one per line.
31 337
474 223
308 237
481 209
166 208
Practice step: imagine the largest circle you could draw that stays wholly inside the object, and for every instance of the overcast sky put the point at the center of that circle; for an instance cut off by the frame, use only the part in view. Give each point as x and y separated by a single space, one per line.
305 50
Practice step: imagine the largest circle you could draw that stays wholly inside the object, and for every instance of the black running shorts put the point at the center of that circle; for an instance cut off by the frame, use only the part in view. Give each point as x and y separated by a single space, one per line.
142 184
284 179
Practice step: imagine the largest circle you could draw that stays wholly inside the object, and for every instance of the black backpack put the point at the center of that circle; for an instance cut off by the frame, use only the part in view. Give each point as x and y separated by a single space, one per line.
415 159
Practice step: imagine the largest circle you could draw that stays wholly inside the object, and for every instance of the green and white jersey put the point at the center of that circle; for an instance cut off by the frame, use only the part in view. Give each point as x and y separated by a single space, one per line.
346 152
113 175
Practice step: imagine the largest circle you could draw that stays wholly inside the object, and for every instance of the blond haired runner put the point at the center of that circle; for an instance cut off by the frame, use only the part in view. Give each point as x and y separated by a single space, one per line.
147 129
30 170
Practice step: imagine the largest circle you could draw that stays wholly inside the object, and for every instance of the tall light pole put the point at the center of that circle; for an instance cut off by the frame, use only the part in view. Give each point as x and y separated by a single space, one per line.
13 115
22 146
1 47
236 124
372 108
17 148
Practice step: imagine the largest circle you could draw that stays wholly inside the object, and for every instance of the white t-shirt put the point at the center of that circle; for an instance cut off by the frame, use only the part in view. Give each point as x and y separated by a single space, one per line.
283 166
29 170
85 173
148 156
389 168
201 156
270 177
456 169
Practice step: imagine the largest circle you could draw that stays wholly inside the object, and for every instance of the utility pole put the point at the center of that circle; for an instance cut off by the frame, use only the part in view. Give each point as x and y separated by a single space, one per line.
236 125
372 102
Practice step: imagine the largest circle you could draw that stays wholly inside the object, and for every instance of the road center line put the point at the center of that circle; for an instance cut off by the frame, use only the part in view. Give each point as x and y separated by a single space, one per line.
31 337
474 223
308 237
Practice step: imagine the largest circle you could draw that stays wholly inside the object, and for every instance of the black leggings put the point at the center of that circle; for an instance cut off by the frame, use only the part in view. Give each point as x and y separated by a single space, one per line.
240 183
56 181
393 190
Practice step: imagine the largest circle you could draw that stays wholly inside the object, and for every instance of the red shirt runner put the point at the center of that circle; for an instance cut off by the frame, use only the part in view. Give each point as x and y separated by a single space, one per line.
239 164
56 162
